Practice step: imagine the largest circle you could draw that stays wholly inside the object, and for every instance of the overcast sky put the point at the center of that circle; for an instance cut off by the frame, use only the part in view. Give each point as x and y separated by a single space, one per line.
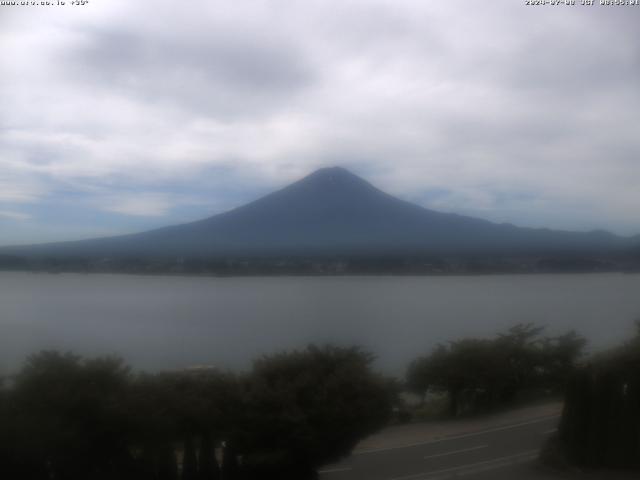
122 115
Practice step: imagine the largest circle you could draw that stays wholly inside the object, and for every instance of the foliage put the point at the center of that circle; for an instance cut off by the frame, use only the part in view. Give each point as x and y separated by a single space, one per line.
70 418
481 374
311 407
66 418
600 424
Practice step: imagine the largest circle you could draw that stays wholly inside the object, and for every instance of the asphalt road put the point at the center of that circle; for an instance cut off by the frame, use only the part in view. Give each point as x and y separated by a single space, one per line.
501 452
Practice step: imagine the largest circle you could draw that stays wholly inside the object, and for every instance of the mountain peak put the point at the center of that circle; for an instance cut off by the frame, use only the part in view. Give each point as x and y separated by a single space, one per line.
332 173
334 178
335 170
333 211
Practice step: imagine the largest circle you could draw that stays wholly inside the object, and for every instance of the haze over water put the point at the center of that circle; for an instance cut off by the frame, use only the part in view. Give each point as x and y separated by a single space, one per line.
173 322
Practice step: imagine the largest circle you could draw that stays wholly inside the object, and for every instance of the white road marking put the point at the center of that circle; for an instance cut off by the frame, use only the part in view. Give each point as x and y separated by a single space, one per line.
458 437
334 470
471 449
471 468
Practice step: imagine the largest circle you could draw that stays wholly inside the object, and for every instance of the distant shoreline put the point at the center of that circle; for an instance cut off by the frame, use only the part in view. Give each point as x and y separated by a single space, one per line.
365 264
318 275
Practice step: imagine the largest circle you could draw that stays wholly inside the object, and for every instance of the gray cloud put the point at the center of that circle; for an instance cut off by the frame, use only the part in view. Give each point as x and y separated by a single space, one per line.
219 74
518 114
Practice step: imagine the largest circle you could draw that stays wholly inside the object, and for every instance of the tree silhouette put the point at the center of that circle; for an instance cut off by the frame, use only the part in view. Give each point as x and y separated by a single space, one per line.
481 374
209 468
600 425
68 418
69 414
310 407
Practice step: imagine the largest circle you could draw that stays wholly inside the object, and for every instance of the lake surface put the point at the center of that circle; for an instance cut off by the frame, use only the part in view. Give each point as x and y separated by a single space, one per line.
172 322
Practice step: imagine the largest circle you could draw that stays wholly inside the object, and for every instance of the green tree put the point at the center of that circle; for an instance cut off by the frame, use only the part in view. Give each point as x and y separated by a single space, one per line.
481 374
193 409
69 416
308 408
559 357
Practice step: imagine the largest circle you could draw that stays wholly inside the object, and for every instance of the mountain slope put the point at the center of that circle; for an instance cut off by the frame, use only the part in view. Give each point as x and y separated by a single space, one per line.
333 211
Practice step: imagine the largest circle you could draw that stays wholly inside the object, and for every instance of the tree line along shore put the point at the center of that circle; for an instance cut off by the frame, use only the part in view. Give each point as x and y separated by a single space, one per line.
393 264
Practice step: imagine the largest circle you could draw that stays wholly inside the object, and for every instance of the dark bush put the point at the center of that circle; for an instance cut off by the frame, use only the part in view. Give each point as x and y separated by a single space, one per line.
67 418
600 424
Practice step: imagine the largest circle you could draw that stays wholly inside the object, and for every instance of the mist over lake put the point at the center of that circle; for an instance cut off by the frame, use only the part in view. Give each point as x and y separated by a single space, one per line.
174 322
